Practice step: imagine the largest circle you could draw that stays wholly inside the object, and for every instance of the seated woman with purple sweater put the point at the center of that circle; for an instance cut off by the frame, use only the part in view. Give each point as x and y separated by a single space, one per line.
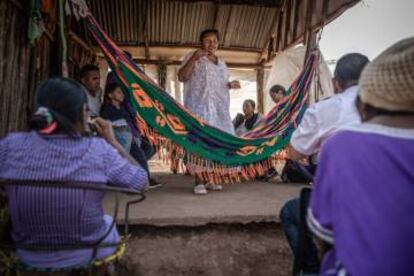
57 149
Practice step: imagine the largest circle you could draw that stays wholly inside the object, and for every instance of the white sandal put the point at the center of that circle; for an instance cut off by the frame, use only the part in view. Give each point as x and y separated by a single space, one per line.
200 189
214 187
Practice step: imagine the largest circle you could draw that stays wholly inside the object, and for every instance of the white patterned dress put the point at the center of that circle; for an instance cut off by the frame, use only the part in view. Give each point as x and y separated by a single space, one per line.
206 93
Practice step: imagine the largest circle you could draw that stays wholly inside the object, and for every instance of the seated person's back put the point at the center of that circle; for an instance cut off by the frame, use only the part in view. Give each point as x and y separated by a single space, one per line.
57 151
362 199
323 118
368 212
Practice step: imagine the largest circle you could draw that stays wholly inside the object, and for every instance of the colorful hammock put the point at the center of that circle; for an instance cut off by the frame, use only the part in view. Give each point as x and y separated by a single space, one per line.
211 154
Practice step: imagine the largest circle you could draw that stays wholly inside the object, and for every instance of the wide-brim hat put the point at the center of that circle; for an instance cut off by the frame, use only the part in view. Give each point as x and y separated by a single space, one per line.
388 81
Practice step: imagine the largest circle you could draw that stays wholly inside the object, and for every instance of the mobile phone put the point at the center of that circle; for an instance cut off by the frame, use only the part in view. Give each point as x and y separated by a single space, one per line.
90 127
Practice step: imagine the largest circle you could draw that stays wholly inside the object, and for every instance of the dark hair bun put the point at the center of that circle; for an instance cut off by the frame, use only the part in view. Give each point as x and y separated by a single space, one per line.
38 121
59 102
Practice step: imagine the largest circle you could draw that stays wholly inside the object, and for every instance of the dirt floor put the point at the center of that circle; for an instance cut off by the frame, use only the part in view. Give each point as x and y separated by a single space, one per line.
213 249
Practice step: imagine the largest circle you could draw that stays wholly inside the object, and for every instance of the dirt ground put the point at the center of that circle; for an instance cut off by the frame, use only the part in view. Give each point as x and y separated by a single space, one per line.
214 249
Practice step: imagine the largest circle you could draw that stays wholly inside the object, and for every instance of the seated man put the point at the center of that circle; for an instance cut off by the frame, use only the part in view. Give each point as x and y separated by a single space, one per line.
248 121
319 121
362 202
90 79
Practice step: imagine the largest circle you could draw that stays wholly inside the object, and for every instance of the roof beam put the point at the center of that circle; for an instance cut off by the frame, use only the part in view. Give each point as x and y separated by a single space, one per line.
257 3
186 46
177 62
80 41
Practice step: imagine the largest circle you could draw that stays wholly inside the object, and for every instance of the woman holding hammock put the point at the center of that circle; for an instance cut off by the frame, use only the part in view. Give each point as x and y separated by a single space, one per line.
206 90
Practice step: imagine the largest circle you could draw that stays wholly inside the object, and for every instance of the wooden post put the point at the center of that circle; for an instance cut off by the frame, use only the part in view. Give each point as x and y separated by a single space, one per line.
103 71
177 87
310 45
162 74
260 89
310 36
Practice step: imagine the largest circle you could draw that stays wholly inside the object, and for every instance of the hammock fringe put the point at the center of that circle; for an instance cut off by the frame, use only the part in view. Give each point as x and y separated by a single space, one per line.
206 170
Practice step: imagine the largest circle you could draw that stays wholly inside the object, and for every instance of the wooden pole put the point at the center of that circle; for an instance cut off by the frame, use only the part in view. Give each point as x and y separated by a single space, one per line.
162 74
278 34
310 34
80 41
145 29
260 89
310 45
177 87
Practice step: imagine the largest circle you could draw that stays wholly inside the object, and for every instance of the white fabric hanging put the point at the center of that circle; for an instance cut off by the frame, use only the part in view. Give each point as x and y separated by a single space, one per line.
286 67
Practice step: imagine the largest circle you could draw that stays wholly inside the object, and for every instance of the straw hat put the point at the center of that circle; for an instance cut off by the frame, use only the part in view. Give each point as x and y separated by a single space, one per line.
388 81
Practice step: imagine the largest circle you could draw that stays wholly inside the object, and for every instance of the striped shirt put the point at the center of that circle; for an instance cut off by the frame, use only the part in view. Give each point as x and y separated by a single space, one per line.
61 216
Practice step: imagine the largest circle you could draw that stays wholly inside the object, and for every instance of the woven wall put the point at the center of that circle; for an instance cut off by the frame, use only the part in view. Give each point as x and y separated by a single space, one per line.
23 67
15 95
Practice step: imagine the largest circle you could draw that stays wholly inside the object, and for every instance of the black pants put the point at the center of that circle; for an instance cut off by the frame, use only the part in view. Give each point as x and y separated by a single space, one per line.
139 155
297 173
147 148
290 217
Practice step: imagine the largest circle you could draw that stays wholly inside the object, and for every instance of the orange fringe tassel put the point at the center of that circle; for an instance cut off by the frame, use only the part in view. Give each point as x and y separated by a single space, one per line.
205 170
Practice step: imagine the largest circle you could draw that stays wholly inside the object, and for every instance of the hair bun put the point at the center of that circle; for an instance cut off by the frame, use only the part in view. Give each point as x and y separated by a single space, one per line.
41 119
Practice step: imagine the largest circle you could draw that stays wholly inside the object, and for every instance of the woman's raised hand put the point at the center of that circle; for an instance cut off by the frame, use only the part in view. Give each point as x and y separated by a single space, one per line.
199 54
104 129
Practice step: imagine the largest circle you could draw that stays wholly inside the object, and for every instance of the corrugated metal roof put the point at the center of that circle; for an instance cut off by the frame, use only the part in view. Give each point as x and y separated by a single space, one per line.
180 23
248 27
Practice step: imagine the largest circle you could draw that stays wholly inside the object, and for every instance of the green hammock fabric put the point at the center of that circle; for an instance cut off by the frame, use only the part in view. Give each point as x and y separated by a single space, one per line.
212 152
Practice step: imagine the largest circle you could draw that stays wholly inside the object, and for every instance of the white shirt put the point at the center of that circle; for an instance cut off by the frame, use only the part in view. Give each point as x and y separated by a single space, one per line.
94 103
323 118
206 93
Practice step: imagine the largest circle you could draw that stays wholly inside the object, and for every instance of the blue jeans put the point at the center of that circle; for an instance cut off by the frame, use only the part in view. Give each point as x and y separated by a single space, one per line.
139 150
290 220
124 136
